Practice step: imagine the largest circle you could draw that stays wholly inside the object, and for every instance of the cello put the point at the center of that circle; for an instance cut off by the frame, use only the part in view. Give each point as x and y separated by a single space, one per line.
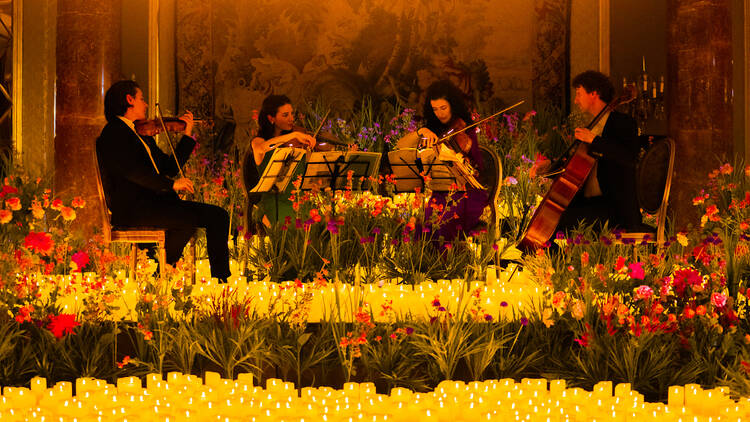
566 185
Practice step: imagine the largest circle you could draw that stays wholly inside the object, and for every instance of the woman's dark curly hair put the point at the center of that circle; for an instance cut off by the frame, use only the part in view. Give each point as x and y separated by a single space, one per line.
447 91
270 107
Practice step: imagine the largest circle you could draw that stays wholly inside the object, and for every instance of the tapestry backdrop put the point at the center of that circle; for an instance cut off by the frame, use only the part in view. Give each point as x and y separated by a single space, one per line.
233 53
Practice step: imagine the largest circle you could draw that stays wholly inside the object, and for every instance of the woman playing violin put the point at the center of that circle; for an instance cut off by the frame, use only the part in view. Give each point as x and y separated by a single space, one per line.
445 110
276 128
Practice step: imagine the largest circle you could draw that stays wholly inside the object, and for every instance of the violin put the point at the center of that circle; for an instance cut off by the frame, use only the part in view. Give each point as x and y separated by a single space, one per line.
324 141
456 138
152 127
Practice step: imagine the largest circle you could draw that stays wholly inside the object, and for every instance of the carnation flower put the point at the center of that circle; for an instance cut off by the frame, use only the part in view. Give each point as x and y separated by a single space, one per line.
5 216
39 242
68 214
718 299
56 204
78 202
14 204
644 292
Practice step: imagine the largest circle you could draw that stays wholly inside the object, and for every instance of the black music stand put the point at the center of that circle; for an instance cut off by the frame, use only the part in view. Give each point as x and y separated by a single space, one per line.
279 171
410 166
330 169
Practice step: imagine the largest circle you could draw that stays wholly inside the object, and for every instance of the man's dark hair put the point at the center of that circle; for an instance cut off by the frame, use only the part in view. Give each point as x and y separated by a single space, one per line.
592 80
270 107
116 101
445 90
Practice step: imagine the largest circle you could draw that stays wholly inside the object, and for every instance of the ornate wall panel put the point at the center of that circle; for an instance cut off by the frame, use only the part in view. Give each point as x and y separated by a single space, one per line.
232 53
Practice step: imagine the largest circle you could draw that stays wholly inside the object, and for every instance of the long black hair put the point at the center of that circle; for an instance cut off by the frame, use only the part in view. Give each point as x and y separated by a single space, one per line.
116 101
445 90
270 107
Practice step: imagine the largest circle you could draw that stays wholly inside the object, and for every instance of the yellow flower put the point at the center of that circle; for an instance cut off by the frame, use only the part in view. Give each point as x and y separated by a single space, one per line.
5 216
547 318
682 239
37 211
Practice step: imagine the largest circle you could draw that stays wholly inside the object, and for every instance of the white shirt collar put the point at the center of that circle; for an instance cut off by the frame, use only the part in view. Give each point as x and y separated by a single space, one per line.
128 122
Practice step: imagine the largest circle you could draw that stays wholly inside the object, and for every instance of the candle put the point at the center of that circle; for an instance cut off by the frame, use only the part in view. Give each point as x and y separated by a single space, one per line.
676 396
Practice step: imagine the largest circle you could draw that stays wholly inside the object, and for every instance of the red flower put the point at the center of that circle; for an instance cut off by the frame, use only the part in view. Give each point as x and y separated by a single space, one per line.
81 259
62 324
620 264
6 190
39 242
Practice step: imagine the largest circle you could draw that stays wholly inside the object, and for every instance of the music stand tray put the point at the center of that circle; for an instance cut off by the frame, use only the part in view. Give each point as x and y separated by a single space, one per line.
410 166
331 168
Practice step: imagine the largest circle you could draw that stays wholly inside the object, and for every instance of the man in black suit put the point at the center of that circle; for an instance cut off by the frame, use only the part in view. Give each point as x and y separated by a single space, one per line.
609 194
136 176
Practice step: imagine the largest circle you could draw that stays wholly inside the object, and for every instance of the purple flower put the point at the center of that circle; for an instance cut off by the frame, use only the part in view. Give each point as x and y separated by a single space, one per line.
503 304
607 241
488 317
559 235
524 321
409 330
298 223
332 227
441 309
376 230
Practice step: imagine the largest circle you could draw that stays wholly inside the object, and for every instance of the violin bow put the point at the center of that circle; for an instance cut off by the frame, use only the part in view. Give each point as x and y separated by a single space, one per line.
479 122
322 122
169 139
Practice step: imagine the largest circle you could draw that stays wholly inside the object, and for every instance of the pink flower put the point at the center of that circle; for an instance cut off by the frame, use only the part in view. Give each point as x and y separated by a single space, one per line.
81 259
57 204
718 299
636 270
644 292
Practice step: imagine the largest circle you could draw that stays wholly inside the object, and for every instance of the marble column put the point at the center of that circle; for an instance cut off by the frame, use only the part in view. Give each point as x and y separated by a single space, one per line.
699 63
88 62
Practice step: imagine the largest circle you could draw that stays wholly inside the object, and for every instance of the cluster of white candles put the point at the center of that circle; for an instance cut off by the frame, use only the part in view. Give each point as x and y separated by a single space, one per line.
506 294
186 398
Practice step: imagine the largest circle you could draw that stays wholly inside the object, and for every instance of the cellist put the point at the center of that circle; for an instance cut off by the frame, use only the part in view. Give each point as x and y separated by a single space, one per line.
609 193
444 109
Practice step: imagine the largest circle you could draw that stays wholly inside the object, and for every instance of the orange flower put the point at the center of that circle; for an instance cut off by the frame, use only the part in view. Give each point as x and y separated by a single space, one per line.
125 361
5 216
39 242
68 214
13 203
56 204
78 202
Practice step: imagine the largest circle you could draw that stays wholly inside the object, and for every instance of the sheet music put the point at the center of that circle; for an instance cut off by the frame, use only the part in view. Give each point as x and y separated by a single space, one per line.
280 169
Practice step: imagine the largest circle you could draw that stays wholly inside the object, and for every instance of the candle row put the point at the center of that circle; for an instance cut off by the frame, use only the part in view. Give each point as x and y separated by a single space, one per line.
186 398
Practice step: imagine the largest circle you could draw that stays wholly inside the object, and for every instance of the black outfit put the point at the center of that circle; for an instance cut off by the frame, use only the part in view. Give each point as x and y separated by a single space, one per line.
617 150
139 196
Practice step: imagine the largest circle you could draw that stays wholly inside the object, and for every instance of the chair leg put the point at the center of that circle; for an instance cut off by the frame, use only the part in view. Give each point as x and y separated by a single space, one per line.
133 252
162 262
193 269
